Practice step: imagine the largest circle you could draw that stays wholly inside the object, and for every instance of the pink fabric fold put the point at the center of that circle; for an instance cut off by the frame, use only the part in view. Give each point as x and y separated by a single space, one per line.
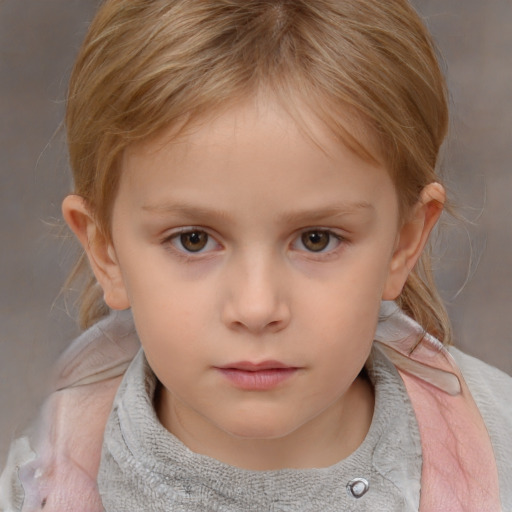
459 468
63 476
69 436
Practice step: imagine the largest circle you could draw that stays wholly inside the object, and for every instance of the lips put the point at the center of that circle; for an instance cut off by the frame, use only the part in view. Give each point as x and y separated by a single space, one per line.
254 367
261 376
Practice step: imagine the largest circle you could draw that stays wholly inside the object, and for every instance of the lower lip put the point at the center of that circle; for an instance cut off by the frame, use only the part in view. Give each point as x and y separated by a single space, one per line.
261 380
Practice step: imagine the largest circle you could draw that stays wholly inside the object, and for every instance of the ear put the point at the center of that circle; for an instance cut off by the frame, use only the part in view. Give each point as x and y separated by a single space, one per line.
99 250
412 238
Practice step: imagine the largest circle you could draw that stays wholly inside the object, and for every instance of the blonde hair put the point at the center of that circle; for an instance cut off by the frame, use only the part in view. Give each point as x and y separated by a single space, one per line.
147 65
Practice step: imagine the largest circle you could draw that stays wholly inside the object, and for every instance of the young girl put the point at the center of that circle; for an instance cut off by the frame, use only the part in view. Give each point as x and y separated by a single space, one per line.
255 183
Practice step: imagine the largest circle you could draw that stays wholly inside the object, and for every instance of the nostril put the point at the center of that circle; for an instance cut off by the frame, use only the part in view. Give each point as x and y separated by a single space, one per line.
275 325
258 327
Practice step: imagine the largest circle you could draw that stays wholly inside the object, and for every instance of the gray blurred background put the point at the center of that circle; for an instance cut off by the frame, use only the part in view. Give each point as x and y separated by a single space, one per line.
38 41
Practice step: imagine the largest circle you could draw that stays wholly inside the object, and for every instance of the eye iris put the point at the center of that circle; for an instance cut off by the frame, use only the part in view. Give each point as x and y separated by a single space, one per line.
316 240
194 241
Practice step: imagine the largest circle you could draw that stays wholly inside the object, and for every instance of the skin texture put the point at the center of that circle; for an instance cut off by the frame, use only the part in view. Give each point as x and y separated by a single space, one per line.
301 243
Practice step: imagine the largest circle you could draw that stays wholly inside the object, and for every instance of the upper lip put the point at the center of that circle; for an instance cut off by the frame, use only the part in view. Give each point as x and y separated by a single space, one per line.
249 366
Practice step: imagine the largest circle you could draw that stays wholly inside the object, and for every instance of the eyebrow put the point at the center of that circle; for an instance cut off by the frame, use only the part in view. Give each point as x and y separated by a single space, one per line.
186 210
327 212
309 215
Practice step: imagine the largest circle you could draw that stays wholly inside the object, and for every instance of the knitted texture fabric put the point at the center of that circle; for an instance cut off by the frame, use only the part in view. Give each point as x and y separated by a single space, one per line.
144 467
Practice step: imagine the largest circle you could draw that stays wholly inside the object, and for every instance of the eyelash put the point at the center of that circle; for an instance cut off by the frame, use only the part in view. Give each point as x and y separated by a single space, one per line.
333 237
174 239
171 242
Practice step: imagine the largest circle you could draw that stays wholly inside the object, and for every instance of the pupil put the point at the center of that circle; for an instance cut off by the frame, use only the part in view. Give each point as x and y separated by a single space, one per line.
194 241
315 240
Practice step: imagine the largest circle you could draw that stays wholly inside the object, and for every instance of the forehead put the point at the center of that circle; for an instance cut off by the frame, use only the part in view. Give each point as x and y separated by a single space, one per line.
252 159
286 117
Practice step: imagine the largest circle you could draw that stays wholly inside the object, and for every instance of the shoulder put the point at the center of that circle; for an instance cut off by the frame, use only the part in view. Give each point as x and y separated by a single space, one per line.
11 490
489 386
59 460
492 391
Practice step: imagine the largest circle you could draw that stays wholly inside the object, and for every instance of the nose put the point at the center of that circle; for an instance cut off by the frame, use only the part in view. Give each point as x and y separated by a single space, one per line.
257 299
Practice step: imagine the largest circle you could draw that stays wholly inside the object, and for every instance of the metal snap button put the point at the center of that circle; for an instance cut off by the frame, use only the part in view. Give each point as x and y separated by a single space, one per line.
358 487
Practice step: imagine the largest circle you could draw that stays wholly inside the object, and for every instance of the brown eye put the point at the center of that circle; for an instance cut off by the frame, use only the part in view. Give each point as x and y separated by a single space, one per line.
194 241
316 241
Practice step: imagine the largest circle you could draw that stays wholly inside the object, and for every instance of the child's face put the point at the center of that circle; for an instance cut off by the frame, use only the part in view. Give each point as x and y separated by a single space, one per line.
246 247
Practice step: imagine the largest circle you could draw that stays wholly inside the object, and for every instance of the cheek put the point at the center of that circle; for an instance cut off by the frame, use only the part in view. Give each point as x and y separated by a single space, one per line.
171 316
343 316
171 337
155 283
350 296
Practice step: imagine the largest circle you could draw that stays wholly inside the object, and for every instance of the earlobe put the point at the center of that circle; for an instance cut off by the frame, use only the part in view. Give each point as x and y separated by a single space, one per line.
99 250
413 237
